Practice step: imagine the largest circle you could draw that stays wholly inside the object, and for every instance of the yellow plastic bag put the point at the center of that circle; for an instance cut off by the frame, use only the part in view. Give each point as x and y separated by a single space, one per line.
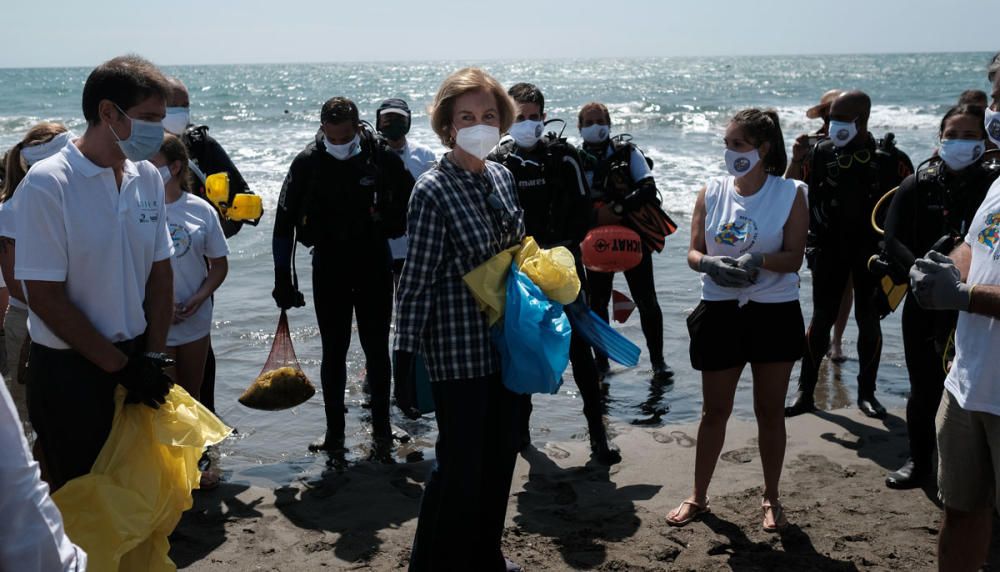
488 283
553 270
123 510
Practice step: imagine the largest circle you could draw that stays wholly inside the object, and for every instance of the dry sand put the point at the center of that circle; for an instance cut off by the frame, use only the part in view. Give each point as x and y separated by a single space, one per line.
568 514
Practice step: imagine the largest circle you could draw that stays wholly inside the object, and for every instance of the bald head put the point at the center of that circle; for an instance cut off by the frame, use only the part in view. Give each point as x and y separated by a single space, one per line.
178 96
853 106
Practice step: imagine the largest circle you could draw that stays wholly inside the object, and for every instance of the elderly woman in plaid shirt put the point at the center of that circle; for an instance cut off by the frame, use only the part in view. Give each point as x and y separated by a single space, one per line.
462 212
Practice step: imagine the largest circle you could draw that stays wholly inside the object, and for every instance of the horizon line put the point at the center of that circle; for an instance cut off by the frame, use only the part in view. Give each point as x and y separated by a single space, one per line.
504 60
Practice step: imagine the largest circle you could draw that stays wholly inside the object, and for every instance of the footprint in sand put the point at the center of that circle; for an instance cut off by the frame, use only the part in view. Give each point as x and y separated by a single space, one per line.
738 456
683 439
662 438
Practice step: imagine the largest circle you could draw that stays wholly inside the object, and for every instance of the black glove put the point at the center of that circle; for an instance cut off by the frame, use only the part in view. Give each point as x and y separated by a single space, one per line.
404 389
145 380
285 294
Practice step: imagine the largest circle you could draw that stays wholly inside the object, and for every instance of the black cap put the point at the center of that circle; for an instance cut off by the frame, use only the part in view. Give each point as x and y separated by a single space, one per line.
396 105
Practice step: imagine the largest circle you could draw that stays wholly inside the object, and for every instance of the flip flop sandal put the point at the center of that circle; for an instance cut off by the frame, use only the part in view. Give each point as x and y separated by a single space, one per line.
698 511
780 522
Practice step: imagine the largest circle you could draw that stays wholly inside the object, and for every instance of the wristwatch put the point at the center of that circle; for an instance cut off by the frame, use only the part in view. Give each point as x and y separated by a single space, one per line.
159 358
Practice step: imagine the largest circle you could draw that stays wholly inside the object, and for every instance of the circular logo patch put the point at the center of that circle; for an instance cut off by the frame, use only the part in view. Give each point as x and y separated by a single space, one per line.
994 128
601 245
181 237
843 134
741 164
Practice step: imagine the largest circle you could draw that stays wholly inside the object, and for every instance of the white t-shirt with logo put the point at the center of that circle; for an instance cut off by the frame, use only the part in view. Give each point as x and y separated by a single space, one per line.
76 227
974 378
417 159
736 225
196 234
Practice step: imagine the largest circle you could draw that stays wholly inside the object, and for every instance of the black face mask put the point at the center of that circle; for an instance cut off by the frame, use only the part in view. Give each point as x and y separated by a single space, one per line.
395 130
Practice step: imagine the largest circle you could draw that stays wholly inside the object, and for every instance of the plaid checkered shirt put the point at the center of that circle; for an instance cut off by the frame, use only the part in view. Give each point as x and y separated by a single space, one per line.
453 228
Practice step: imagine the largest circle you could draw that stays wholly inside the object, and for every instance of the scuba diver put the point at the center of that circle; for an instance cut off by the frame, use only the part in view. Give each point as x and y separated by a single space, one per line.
932 210
847 174
621 186
556 202
345 194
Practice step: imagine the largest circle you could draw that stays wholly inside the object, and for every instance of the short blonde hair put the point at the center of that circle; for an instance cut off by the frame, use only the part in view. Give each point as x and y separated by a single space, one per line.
464 81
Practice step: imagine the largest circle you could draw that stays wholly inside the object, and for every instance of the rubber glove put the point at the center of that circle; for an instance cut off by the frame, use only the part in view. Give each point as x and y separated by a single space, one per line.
937 283
145 380
285 294
404 390
724 271
752 262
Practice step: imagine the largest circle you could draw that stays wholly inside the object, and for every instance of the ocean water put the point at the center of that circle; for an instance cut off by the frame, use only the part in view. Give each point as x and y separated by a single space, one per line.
676 108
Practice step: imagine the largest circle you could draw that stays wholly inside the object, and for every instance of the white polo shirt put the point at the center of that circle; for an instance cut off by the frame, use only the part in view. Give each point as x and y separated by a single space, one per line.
76 227
417 159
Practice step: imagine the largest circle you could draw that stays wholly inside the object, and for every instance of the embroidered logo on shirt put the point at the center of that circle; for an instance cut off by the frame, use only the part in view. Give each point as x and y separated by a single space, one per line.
148 211
181 237
744 229
990 235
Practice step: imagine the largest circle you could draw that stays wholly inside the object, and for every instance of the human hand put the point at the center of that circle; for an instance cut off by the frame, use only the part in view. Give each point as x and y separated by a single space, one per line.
752 262
724 271
800 149
937 283
285 294
145 380
189 308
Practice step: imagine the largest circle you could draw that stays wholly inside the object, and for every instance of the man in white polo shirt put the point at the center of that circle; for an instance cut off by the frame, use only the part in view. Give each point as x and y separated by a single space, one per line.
968 419
93 252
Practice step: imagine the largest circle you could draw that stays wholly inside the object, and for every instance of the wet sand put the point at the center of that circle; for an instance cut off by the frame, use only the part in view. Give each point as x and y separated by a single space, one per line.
566 513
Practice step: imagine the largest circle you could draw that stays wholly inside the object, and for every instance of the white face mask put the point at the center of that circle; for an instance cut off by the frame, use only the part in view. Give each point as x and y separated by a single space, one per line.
526 133
345 151
165 173
740 164
842 132
992 124
177 119
960 153
595 133
478 140
35 153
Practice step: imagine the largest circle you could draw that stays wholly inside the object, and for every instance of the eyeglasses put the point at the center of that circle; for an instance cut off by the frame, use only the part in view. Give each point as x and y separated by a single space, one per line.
498 211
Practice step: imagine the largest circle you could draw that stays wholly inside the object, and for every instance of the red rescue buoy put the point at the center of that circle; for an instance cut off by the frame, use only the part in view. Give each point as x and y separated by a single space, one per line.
611 248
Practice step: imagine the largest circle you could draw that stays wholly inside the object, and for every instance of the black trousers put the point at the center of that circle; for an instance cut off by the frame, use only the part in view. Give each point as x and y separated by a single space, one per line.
830 271
71 404
643 292
465 498
353 285
925 335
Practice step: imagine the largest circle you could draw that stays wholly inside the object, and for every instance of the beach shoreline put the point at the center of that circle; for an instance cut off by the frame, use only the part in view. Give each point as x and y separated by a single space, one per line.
566 513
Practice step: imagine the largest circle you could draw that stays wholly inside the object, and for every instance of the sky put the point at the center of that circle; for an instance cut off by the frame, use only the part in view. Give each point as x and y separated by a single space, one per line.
45 33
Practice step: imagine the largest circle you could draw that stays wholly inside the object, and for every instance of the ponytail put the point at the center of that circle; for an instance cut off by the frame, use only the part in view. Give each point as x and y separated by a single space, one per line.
15 167
760 126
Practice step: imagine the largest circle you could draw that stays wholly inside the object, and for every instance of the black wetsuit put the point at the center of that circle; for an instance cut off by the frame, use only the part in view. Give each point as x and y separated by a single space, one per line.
612 183
211 158
844 186
553 192
346 211
929 205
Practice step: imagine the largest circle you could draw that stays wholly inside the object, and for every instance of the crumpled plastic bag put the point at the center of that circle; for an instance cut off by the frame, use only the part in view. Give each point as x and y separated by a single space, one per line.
123 510
553 270
533 339
488 283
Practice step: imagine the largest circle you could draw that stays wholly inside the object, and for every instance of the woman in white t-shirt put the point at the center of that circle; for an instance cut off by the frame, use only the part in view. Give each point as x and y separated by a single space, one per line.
40 142
199 265
748 235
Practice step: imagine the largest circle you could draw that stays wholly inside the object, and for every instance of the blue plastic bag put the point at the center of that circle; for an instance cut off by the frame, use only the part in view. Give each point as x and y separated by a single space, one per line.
532 339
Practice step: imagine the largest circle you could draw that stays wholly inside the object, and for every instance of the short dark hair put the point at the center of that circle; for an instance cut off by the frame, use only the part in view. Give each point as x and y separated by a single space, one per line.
977 112
339 110
527 93
594 105
126 81
973 97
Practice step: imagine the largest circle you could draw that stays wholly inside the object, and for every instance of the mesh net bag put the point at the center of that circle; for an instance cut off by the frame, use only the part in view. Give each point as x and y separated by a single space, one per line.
281 383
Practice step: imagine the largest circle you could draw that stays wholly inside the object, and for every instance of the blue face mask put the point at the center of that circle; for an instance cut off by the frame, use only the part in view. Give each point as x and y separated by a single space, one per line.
144 141
960 153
